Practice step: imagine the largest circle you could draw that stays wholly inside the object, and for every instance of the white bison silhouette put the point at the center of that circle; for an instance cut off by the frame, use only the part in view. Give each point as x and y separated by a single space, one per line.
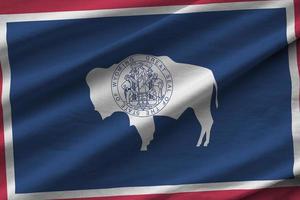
193 87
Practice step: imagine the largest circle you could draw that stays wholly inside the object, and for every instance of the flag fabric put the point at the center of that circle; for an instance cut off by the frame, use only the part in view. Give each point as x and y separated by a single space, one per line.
150 99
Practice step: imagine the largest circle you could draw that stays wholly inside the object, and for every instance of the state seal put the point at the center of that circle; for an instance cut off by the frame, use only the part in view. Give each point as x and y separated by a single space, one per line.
141 85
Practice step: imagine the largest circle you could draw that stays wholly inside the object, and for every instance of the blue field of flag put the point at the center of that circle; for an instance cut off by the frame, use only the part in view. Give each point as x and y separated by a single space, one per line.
61 143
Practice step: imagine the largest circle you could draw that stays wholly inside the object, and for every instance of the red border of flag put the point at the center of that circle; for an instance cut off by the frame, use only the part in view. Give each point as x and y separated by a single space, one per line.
34 6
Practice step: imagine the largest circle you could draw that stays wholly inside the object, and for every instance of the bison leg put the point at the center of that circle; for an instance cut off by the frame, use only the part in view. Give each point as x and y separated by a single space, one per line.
207 136
145 127
200 138
205 119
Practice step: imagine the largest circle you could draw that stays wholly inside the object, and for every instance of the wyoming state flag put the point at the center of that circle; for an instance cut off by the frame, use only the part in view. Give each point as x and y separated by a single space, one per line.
137 100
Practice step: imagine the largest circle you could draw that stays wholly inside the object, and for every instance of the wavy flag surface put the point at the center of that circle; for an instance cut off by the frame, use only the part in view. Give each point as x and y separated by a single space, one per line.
141 100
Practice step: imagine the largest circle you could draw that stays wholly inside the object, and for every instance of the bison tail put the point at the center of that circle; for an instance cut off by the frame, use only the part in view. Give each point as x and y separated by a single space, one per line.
216 95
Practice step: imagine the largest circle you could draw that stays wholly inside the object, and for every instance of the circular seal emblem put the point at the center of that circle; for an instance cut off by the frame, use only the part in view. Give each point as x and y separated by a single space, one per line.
141 85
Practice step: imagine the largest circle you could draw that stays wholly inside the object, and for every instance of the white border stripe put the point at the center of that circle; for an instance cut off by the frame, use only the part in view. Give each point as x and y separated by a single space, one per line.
165 189
8 139
290 20
147 11
290 31
294 72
